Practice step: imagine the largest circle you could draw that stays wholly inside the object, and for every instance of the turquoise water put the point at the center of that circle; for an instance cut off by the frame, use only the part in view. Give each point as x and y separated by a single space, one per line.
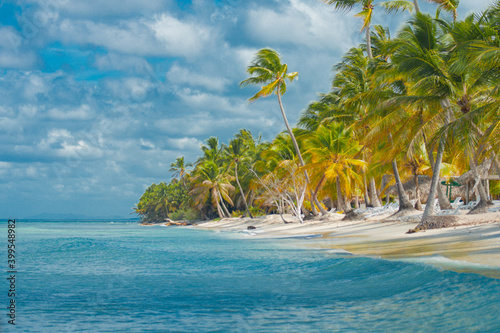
122 277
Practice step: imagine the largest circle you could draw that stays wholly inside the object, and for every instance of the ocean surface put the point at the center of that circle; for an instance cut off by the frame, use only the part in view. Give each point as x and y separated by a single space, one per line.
98 276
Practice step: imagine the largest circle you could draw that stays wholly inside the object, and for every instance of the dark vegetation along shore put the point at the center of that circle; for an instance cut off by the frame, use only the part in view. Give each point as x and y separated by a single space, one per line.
409 129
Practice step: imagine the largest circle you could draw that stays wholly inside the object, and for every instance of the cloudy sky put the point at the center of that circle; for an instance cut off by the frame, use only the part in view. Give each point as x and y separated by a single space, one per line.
97 98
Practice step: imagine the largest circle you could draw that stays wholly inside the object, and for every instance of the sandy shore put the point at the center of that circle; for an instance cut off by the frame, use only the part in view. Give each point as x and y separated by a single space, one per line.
472 245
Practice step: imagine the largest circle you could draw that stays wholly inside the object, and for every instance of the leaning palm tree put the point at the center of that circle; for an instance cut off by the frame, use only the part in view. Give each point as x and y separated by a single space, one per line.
212 182
267 69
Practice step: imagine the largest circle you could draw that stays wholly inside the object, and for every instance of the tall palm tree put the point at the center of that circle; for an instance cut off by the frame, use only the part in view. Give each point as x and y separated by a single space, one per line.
420 58
367 12
352 82
236 153
267 68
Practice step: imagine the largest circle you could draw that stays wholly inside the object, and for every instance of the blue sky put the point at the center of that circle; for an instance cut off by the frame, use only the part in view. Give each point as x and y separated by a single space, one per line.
97 98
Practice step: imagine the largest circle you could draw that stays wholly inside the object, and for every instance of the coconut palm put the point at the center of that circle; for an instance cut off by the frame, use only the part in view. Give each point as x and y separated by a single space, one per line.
353 82
448 5
419 57
267 68
331 151
180 169
214 183
367 12
236 153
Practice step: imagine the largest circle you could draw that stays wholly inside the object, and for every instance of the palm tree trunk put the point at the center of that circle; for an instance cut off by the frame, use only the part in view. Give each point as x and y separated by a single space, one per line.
340 199
319 185
297 150
373 194
219 210
365 187
429 207
404 201
223 205
368 41
444 203
241 190
417 7
418 204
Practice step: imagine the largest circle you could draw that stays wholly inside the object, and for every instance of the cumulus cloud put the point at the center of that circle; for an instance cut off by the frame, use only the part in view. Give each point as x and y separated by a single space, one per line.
182 38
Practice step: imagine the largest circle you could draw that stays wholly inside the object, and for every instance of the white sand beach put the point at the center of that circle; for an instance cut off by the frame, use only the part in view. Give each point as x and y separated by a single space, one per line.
471 245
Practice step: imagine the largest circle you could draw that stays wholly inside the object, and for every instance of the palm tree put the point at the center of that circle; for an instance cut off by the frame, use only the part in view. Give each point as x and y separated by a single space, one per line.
267 69
212 182
448 5
236 152
212 151
367 12
179 167
419 57
331 151
353 82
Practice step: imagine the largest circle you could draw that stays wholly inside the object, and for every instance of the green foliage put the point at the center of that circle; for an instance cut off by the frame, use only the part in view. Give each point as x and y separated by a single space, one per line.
257 211
160 200
495 188
237 213
188 214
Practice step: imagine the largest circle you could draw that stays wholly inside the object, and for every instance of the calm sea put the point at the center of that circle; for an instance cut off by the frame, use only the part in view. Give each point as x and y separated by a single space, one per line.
98 276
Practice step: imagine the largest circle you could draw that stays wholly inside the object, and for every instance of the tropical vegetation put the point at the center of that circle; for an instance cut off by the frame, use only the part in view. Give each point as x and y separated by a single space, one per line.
424 102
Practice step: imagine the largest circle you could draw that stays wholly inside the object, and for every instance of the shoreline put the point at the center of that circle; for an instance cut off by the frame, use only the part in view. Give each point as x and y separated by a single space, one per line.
472 245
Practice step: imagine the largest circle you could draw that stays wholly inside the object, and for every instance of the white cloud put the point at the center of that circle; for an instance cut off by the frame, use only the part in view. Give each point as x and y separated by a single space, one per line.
132 37
185 143
183 76
61 143
313 24
162 35
81 113
204 101
181 38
